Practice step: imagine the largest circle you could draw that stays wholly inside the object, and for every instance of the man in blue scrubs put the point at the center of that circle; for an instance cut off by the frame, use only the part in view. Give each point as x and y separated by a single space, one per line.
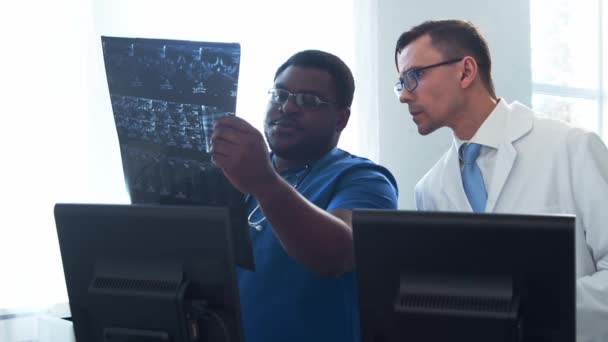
300 201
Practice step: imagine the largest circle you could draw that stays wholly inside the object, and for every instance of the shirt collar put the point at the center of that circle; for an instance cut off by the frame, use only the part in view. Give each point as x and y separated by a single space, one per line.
491 131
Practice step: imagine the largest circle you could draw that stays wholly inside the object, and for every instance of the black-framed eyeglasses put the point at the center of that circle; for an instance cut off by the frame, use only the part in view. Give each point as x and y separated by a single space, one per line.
303 100
409 80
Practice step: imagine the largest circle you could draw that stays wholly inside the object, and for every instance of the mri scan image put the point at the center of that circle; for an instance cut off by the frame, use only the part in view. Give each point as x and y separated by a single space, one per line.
165 96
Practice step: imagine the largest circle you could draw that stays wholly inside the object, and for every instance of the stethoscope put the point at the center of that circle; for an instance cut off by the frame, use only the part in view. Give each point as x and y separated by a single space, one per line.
257 225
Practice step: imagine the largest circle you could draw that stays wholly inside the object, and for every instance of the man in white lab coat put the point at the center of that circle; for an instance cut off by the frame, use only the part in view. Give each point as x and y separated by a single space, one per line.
521 164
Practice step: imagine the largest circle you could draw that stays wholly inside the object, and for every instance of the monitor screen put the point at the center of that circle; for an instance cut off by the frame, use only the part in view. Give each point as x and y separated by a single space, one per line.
443 276
149 272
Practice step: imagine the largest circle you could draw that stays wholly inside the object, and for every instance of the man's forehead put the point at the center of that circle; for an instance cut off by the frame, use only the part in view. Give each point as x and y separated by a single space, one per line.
304 79
417 53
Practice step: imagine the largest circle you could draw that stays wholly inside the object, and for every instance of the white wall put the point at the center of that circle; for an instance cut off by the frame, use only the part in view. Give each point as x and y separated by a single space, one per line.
507 29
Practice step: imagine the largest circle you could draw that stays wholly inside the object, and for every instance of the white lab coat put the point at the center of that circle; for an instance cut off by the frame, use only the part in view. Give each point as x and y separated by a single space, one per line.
543 166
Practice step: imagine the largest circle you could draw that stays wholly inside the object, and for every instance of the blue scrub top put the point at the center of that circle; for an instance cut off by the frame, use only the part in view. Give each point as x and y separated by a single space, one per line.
283 301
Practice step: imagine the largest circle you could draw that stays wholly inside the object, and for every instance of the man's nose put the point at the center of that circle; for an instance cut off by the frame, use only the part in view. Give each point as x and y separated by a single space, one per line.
405 96
290 105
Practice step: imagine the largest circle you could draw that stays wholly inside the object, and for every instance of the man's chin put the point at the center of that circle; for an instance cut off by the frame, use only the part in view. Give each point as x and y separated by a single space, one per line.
425 130
299 149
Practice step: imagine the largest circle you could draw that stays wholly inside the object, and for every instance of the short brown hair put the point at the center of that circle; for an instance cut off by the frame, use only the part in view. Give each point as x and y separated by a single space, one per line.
453 38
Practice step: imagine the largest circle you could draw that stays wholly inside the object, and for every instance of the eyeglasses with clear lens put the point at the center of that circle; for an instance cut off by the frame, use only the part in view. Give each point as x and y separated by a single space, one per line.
302 100
410 78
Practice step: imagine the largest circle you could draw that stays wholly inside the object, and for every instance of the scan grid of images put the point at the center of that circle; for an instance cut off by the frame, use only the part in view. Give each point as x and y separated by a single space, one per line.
165 96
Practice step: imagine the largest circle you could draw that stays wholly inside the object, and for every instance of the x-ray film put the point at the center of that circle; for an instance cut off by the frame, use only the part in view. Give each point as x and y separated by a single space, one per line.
165 96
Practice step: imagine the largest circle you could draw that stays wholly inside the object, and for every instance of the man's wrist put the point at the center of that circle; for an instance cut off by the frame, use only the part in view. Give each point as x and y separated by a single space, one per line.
266 189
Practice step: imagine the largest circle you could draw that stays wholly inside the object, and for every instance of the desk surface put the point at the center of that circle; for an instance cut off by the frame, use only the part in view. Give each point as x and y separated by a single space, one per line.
30 325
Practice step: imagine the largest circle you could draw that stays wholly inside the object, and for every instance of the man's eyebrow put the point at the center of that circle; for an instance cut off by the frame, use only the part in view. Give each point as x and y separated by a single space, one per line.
408 70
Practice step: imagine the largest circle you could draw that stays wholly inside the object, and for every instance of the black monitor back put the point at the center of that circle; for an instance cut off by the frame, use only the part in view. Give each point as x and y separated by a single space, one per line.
149 272
442 276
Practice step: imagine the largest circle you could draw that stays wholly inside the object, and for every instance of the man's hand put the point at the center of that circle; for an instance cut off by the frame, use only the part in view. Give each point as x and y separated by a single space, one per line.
320 240
240 151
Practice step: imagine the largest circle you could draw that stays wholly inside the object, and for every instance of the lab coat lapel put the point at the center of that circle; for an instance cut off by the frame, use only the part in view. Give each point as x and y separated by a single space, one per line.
519 122
502 168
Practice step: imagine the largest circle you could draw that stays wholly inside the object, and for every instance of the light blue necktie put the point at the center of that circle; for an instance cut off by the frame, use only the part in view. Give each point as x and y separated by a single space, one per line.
472 180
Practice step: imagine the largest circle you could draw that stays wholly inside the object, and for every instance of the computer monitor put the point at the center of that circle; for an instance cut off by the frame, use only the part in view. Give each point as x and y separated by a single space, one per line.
444 276
149 272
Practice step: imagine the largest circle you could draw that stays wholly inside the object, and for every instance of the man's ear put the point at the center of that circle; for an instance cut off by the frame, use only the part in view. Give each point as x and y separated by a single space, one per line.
468 72
342 119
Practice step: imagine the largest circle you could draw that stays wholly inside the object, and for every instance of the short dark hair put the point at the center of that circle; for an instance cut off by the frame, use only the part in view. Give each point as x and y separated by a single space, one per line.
339 71
453 38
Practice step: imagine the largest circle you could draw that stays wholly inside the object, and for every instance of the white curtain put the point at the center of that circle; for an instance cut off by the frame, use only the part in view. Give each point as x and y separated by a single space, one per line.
43 142
58 138
363 136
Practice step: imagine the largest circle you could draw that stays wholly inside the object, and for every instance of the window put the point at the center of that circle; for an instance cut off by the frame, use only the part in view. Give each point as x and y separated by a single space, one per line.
58 138
569 41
